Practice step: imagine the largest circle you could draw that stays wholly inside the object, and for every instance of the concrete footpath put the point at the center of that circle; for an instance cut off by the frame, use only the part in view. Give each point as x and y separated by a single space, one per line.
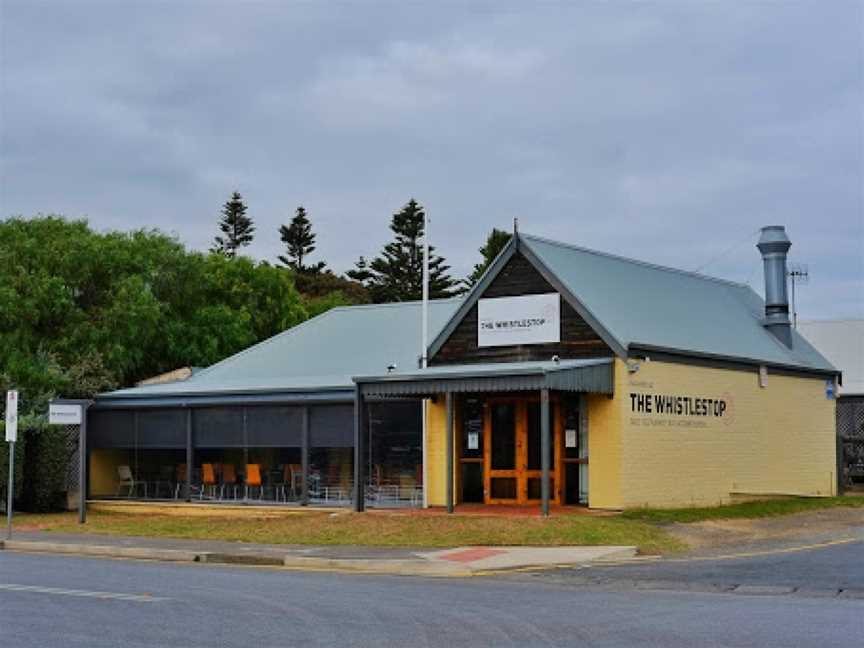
450 562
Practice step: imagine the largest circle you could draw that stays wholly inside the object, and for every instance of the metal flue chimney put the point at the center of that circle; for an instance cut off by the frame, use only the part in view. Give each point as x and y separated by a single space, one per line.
774 244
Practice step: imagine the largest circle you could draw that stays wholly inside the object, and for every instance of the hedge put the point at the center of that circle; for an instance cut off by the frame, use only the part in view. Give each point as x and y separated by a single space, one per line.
42 457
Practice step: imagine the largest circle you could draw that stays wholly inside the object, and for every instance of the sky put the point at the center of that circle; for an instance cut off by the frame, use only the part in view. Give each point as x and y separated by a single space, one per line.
665 131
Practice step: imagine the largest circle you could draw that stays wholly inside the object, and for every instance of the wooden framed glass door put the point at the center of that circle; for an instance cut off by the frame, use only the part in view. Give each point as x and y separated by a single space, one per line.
511 458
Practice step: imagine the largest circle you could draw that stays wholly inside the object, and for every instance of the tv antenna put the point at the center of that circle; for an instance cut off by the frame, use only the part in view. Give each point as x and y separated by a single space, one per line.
798 274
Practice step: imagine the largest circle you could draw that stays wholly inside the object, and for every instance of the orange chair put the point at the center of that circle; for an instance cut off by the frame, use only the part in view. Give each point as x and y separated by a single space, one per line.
253 480
208 480
229 480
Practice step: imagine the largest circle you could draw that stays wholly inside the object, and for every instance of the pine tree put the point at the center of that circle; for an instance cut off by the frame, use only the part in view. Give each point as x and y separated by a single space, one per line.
397 274
299 240
495 242
235 225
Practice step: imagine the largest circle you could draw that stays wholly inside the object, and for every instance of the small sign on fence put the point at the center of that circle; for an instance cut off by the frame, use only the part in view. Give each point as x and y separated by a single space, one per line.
64 414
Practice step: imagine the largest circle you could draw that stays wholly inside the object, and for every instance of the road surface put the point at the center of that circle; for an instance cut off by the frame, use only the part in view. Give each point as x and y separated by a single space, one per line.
50 600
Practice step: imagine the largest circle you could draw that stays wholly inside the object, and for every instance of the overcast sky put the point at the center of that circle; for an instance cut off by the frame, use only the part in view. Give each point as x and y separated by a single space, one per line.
660 130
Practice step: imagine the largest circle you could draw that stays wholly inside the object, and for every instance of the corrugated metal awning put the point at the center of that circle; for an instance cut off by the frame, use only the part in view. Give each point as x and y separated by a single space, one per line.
591 376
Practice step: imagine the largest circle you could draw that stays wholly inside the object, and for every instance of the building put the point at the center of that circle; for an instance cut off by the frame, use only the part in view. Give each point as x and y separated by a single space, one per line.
566 376
842 342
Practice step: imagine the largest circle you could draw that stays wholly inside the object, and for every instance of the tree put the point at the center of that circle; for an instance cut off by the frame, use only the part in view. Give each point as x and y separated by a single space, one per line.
496 242
299 240
83 312
235 225
397 274
322 284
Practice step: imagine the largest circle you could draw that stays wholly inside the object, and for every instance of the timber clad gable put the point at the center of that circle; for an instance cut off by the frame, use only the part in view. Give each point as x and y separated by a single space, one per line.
520 277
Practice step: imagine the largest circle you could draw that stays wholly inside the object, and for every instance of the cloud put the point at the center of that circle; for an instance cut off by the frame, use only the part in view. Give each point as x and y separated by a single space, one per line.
665 131
409 80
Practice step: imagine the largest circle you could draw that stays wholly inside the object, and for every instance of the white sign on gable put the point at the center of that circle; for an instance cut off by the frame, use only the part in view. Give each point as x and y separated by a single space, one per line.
64 414
527 319
11 416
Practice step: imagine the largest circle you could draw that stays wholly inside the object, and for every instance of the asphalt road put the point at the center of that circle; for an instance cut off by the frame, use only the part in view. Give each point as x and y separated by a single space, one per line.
826 571
68 601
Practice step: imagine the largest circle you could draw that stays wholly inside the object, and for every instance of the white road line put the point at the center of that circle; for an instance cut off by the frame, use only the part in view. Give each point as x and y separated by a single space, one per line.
116 596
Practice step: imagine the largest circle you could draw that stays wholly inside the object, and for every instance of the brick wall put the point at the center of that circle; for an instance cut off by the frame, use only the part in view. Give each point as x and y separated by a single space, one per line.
774 440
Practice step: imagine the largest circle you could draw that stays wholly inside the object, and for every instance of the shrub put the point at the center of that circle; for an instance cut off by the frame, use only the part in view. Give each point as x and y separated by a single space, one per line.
46 464
42 456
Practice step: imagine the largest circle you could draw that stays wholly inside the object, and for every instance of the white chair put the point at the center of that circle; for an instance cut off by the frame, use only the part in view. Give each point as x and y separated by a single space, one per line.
127 480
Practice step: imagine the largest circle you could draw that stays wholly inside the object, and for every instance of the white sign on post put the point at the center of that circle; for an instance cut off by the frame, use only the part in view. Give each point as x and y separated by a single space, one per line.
64 414
527 319
11 416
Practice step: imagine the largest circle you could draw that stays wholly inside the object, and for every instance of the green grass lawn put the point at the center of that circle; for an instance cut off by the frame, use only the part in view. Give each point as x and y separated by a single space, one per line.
373 529
760 509
642 528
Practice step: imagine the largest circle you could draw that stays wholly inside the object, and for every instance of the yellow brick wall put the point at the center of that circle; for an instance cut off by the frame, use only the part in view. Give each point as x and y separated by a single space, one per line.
777 440
774 440
604 445
436 472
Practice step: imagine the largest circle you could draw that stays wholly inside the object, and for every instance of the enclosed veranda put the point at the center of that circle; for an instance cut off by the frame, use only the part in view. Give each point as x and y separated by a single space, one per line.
254 453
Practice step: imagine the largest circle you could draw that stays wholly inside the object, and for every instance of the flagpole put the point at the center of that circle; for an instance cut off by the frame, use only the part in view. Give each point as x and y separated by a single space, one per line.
425 309
424 342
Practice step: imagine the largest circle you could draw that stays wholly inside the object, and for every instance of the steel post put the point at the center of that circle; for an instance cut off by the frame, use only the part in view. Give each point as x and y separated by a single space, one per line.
448 401
304 457
187 487
82 467
10 494
359 450
545 447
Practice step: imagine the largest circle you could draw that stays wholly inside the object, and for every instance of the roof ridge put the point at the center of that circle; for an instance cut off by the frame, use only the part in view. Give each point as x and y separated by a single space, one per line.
647 264
395 304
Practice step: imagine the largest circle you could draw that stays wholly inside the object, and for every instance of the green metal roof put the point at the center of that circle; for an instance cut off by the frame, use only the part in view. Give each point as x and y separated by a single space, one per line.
322 353
642 305
637 307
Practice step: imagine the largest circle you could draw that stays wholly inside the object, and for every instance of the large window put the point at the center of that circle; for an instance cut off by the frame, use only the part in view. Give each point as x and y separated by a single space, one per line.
136 454
255 453
239 453
331 455
248 453
395 459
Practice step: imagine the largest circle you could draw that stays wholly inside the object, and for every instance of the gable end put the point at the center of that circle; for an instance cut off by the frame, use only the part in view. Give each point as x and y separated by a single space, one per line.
519 277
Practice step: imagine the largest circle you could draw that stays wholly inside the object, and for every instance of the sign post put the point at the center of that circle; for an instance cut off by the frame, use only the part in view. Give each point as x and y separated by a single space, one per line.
11 438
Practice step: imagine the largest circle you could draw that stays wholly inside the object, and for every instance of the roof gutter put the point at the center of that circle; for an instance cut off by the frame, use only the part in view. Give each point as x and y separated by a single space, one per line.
435 373
724 361
282 397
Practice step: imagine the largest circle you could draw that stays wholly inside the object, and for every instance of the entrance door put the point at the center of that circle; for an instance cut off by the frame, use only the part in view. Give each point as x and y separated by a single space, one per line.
512 460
